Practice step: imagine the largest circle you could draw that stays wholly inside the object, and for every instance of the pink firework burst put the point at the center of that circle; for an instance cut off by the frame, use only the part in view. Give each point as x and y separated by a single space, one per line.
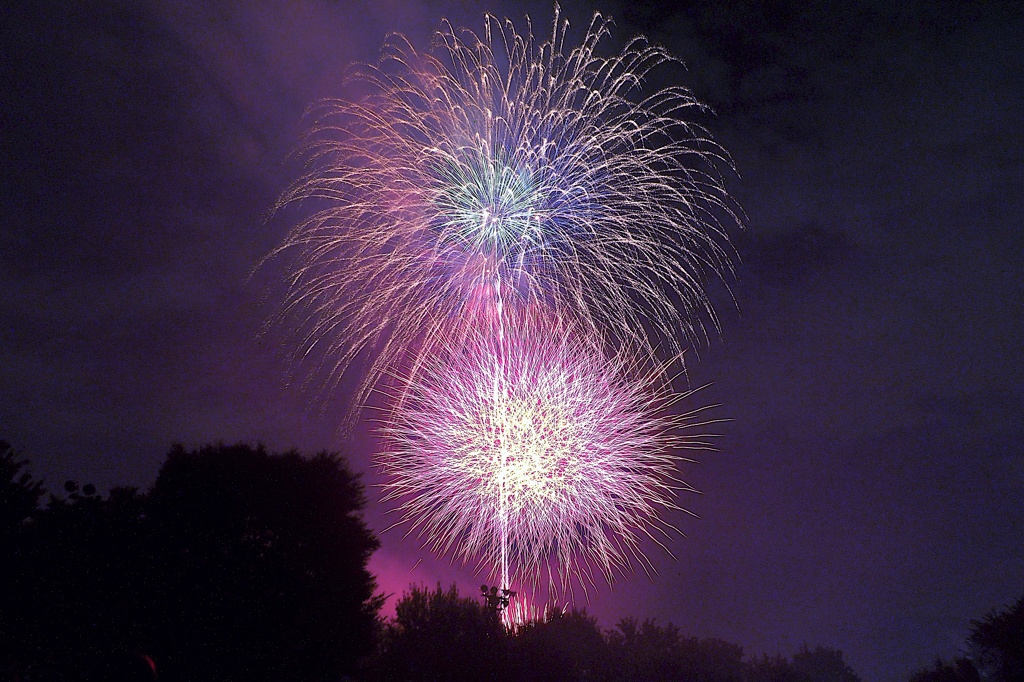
503 167
531 453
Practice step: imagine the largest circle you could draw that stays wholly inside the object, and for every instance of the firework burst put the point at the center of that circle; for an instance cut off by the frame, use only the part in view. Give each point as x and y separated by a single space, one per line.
536 452
497 170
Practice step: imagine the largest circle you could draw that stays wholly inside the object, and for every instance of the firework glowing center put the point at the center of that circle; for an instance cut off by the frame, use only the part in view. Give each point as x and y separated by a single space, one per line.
542 430
535 455
487 206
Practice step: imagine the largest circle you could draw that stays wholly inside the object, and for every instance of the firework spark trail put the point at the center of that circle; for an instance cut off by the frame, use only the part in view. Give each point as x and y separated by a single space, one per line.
501 159
566 468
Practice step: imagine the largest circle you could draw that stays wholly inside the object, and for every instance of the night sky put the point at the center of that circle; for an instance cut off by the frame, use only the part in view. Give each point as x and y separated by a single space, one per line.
869 490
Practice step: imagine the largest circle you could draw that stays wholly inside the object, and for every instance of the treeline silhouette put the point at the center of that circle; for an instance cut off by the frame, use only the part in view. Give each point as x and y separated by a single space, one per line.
241 564
439 635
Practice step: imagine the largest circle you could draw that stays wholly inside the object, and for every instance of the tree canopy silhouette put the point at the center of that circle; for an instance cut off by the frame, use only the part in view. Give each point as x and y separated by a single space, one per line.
650 652
823 664
995 651
239 564
565 647
437 635
957 670
997 643
19 492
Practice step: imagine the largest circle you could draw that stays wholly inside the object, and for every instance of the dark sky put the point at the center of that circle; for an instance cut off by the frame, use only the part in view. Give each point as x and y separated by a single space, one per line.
869 491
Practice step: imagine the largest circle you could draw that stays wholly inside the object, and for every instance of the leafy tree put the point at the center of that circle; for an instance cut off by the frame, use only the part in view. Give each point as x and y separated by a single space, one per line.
19 499
643 653
958 670
19 493
772 669
436 635
567 647
262 562
238 565
823 665
711 660
74 584
649 651
997 644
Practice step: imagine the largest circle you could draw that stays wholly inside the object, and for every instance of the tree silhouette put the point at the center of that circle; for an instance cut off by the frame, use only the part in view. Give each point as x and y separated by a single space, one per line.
19 493
649 651
262 564
822 664
958 670
775 668
238 565
567 647
19 500
997 644
76 579
644 652
436 635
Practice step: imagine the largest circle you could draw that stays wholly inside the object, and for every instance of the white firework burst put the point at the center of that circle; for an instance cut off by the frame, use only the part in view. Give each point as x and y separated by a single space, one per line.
536 452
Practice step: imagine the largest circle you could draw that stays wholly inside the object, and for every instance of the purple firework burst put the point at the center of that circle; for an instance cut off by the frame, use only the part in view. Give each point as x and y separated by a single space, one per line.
532 449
